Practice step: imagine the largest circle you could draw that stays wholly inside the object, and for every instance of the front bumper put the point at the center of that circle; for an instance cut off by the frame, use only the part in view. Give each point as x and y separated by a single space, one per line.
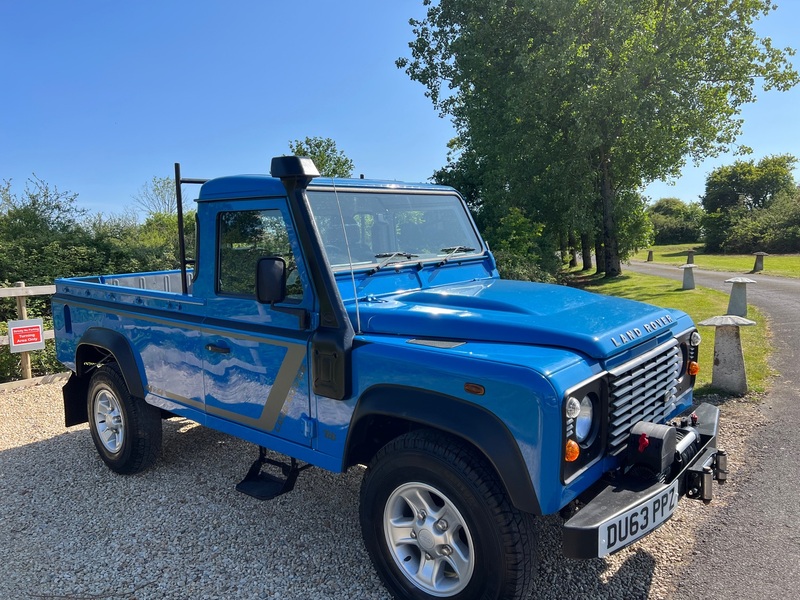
618 512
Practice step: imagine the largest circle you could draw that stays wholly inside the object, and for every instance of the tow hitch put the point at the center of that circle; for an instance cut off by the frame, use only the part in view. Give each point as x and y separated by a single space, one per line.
700 476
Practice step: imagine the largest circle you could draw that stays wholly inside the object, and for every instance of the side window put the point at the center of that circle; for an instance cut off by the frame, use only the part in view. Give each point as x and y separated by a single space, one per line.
244 237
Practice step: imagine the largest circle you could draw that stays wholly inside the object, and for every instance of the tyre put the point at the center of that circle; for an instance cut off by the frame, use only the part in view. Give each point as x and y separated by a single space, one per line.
126 430
437 523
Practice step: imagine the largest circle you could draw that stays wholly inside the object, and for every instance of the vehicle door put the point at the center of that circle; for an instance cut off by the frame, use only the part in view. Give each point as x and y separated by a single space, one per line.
256 355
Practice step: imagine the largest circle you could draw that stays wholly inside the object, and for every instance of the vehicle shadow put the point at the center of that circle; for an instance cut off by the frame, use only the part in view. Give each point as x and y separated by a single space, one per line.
70 528
627 575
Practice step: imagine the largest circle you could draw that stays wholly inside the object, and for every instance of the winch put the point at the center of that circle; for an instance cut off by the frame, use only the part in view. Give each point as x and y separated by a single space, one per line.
659 452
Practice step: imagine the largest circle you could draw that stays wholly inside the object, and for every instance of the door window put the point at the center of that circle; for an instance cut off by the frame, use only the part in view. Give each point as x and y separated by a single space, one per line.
245 236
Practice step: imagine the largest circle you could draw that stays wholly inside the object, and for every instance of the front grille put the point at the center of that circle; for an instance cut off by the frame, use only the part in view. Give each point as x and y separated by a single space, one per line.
643 389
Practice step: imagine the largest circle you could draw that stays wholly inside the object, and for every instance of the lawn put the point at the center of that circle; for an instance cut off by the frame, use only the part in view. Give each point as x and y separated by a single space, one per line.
785 265
700 304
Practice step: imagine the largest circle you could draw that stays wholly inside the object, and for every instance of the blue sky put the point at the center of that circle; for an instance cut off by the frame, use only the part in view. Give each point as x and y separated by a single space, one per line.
98 97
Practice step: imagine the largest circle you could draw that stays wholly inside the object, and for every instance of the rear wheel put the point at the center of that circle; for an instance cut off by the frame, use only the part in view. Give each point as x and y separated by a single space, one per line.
438 524
126 430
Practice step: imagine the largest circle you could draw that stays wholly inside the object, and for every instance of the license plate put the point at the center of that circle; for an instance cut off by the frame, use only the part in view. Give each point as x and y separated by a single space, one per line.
637 522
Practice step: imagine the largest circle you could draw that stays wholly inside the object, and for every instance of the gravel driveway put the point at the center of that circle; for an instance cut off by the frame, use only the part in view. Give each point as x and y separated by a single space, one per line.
72 529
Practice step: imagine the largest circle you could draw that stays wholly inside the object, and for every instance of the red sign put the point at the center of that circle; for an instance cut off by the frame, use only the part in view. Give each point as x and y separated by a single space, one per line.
27 335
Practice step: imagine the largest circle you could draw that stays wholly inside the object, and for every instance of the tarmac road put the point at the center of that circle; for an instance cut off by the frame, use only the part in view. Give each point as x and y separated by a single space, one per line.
754 552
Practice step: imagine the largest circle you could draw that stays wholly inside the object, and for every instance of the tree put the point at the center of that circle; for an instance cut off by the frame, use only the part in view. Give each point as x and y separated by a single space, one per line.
44 235
330 161
39 213
39 233
521 250
597 97
158 196
736 192
775 228
675 222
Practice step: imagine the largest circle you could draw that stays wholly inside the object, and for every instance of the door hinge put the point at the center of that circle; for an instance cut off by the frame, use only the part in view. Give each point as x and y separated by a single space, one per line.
309 426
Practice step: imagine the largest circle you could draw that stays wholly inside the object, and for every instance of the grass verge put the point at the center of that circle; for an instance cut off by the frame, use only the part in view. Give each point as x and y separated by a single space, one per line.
700 304
783 265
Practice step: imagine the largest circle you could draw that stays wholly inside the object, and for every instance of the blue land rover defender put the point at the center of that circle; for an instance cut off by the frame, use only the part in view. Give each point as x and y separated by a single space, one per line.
344 322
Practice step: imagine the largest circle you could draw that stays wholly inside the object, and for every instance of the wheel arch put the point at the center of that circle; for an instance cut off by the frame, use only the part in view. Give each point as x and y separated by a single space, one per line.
385 412
96 345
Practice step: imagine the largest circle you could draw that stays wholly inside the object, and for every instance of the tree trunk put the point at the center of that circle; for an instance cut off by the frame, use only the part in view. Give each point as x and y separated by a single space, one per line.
599 254
586 252
613 266
562 247
573 252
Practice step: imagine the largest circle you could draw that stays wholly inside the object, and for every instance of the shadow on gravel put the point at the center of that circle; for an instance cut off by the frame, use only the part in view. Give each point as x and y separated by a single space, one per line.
561 577
72 529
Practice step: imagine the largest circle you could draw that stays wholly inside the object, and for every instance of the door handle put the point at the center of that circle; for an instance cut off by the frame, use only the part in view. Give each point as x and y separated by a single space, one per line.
218 349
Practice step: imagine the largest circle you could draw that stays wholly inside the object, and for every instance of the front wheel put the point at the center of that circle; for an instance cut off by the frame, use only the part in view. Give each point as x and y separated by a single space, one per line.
438 524
126 430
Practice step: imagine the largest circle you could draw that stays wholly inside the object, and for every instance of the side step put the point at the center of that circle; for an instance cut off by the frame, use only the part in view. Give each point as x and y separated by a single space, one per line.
265 486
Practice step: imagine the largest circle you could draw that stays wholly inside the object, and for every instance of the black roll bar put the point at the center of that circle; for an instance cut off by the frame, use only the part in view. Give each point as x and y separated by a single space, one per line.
181 237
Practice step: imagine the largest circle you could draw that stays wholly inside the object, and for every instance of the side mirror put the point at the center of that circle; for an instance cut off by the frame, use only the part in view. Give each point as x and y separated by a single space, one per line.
271 279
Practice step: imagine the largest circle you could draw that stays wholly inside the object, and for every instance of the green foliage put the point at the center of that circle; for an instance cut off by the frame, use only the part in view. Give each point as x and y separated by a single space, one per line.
44 235
515 242
675 222
775 228
521 267
515 233
739 200
38 231
465 174
9 363
565 107
329 160
635 229
747 184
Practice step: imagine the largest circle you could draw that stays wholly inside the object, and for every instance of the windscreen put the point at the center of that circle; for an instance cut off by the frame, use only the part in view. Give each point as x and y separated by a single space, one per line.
391 226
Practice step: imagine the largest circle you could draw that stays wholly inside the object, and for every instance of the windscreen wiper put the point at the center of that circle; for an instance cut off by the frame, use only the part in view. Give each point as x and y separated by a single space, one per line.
453 250
389 257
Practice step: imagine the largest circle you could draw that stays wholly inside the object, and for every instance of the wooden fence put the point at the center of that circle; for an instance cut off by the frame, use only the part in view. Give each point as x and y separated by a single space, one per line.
21 292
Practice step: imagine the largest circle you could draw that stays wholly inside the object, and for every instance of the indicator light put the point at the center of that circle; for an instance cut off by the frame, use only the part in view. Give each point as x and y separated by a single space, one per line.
693 368
474 388
572 451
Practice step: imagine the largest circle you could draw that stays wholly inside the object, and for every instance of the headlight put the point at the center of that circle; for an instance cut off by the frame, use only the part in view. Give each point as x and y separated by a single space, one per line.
695 339
581 414
584 420
583 441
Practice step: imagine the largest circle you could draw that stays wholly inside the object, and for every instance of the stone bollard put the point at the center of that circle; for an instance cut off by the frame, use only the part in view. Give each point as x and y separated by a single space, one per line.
688 276
649 256
759 266
728 373
737 305
690 257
